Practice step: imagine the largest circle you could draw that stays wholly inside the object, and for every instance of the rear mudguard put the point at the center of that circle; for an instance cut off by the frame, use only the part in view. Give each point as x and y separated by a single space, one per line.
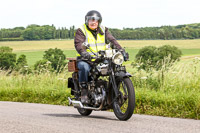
71 85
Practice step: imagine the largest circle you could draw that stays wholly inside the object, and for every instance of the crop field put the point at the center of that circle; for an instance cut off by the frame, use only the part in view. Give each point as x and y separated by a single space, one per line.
172 92
34 49
68 44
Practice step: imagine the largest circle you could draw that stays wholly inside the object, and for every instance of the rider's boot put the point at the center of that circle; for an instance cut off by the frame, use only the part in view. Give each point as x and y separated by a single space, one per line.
84 93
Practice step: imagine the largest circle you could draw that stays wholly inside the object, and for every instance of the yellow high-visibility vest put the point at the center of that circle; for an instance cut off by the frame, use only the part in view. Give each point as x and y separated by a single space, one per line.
95 45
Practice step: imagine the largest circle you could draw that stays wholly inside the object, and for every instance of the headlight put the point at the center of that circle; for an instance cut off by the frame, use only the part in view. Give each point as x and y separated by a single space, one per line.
118 58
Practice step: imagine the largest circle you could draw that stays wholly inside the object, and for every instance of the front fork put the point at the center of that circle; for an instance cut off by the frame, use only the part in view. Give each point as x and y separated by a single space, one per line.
113 83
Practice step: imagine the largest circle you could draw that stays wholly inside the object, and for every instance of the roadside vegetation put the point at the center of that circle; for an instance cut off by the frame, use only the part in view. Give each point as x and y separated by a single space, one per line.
45 87
172 91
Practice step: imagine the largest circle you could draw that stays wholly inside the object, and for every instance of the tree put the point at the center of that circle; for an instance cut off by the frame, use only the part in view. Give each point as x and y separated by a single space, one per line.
151 57
147 57
5 49
22 65
55 57
21 61
7 58
167 50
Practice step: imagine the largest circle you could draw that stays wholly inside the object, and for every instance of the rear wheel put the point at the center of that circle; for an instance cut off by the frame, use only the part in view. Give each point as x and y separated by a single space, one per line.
124 105
84 112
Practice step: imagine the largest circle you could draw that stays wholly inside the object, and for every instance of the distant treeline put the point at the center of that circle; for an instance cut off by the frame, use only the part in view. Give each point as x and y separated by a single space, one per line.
36 32
46 32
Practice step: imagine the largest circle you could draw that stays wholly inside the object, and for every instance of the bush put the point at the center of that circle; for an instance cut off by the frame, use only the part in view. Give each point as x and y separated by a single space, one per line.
147 56
21 61
22 65
166 50
152 57
43 66
5 49
56 57
8 61
7 58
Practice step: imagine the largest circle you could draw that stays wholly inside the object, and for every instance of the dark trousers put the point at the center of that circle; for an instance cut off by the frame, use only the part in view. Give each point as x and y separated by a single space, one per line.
83 72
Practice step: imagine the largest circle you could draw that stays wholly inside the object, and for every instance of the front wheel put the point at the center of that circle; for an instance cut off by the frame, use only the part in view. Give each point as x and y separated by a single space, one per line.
124 105
84 112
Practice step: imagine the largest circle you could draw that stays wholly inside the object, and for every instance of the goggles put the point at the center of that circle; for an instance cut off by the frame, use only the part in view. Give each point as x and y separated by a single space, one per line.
93 18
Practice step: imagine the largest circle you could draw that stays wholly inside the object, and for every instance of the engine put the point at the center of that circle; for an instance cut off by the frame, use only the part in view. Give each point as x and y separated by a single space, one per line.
97 92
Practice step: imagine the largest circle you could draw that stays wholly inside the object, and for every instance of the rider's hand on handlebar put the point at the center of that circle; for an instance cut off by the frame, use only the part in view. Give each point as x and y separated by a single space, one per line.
86 55
125 55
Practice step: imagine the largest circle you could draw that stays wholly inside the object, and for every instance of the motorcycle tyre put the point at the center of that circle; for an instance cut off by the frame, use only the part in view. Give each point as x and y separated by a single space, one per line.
84 112
131 102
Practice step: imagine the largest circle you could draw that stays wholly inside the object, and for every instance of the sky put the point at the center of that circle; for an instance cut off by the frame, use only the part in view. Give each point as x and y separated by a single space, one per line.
116 13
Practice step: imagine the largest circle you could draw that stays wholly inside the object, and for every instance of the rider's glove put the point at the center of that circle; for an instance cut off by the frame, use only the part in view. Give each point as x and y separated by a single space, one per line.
125 55
86 55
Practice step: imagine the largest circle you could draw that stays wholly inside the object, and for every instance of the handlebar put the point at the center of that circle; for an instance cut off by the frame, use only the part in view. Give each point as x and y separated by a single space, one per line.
102 54
93 57
97 60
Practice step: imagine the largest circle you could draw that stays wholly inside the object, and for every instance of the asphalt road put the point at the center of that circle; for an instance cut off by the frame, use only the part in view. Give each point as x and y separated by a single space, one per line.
42 118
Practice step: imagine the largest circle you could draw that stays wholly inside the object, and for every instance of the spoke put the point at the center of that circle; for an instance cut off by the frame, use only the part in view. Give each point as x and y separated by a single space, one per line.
124 88
123 99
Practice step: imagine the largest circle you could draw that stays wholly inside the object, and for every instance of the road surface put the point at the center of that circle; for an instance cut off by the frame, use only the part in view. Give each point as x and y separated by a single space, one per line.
42 118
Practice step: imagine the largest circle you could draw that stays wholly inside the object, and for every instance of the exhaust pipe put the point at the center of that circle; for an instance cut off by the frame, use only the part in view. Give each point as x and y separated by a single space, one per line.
78 104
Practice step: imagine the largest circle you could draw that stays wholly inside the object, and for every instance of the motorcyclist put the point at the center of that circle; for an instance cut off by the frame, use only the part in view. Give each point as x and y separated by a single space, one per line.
97 36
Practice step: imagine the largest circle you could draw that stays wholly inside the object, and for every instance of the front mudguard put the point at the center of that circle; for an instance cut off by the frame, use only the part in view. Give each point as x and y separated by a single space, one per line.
119 76
122 74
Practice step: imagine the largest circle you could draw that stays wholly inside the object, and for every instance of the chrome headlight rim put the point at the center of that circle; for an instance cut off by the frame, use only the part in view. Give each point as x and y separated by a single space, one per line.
118 58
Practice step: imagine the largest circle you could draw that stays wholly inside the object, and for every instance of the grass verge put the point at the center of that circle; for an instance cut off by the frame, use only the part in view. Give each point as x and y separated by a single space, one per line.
174 94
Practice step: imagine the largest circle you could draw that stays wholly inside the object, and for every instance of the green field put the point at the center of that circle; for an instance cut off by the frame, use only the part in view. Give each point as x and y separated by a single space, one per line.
34 50
68 44
174 92
33 56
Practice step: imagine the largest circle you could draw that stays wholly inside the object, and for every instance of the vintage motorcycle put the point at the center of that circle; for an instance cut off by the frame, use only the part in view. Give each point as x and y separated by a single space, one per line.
109 85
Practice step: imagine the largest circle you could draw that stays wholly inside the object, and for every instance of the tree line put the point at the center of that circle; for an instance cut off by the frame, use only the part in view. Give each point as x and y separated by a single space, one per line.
46 32
189 31
36 32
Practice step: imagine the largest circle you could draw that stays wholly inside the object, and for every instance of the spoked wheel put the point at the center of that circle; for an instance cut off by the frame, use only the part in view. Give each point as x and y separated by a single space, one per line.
84 112
124 105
